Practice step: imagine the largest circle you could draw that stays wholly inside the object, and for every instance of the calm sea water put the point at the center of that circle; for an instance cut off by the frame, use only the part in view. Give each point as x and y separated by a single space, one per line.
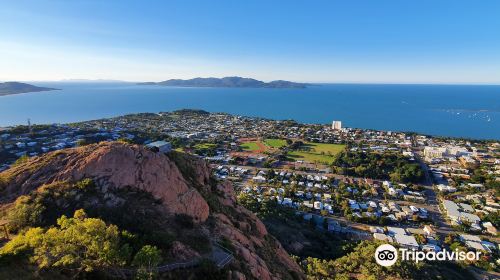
447 110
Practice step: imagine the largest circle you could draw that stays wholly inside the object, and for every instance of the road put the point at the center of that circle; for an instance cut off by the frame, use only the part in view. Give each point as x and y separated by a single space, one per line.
432 206
329 175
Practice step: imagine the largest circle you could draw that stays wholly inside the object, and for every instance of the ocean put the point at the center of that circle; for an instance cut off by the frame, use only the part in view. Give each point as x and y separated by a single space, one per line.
471 111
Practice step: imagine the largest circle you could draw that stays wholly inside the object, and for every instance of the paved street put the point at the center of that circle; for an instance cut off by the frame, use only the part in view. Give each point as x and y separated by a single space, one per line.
442 227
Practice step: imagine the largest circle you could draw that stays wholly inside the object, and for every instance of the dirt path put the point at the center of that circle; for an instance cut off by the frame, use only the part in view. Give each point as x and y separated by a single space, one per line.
262 147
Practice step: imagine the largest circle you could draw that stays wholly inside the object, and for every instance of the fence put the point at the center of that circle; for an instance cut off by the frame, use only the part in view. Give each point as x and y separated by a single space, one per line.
221 259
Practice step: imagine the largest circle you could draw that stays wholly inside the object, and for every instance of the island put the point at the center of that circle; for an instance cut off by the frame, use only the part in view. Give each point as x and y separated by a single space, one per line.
230 82
9 88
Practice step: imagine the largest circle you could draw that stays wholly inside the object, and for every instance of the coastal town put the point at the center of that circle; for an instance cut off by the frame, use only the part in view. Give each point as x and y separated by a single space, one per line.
417 191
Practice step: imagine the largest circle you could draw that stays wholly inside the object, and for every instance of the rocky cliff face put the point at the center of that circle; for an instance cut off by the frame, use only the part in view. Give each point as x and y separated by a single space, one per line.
182 184
117 165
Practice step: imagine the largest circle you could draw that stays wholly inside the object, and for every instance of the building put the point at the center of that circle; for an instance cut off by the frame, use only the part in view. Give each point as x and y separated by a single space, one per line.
395 231
318 205
429 230
490 228
162 146
457 214
452 210
407 241
336 125
441 152
446 188
472 242
382 237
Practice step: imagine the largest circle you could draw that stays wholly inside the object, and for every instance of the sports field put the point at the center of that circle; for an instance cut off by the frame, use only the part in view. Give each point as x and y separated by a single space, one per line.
204 146
251 146
317 152
275 143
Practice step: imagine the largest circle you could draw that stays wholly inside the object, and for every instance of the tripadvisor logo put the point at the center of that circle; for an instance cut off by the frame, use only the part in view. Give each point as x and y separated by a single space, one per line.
387 255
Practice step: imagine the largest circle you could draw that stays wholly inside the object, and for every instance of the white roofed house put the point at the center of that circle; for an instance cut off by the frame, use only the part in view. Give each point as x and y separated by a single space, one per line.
392 191
446 188
451 209
259 179
382 237
429 230
387 184
374 229
328 207
318 205
308 204
472 241
431 248
476 186
466 208
490 228
463 213
471 218
395 230
162 146
402 238
413 208
372 204
407 241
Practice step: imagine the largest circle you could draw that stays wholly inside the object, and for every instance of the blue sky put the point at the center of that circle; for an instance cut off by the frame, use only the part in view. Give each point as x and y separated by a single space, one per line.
424 41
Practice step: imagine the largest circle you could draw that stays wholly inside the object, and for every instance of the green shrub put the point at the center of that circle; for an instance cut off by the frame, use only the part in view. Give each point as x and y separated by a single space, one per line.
148 257
25 212
78 243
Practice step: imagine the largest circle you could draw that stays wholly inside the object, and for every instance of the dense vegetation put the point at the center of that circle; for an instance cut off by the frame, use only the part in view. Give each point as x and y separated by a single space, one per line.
110 228
480 175
387 166
360 264
306 239
80 245
325 256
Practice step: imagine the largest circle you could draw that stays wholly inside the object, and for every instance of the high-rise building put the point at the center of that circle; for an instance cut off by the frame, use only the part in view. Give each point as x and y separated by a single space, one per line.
337 125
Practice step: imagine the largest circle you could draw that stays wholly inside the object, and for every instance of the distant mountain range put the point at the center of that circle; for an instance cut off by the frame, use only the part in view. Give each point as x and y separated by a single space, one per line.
91 81
8 88
231 82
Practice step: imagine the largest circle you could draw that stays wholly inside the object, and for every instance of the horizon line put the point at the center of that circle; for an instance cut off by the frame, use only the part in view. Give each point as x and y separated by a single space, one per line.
317 82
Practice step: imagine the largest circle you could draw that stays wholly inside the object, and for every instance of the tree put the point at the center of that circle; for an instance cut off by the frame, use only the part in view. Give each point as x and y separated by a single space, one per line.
147 259
78 243
25 212
420 238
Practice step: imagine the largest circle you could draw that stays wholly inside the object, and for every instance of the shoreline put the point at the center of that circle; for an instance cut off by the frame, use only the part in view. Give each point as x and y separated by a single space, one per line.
3 128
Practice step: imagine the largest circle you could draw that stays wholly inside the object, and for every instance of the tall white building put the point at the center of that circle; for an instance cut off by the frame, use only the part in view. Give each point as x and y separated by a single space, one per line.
447 151
337 125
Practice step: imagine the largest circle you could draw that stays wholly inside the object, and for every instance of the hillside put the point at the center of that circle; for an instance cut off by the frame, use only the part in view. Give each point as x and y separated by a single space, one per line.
8 88
133 210
232 82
